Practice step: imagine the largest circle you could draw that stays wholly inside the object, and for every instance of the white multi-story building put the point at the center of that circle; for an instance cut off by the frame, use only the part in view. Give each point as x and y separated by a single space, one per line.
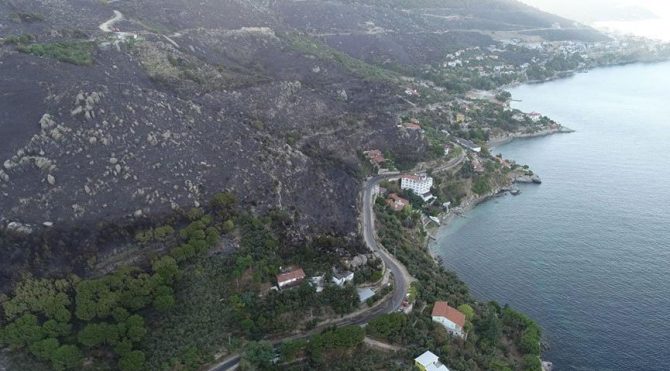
419 184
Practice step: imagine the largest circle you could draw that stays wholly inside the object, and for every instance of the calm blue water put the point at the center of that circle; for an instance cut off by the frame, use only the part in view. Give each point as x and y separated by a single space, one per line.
587 253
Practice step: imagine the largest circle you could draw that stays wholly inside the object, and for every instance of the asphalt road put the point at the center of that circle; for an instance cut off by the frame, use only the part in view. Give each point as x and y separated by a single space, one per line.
402 278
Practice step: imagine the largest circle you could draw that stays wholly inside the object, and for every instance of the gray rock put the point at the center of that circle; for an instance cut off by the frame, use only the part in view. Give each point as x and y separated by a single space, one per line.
19 228
523 179
343 94
151 138
51 179
77 111
46 122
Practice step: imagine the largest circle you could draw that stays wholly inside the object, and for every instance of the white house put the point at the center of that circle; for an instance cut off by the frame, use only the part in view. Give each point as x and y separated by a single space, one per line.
341 278
419 184
290 278
452 319
429 362
535 116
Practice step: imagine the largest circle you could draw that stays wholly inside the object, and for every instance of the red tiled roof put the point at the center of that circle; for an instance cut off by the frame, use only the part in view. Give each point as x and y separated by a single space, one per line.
442 309
375 156
396 202
291 275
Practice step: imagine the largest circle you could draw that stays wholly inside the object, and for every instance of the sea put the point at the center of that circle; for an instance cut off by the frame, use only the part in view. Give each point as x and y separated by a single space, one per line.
586 253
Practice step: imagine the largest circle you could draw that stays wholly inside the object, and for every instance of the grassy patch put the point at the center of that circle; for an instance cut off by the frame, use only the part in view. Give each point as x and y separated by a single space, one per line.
18 39
79 53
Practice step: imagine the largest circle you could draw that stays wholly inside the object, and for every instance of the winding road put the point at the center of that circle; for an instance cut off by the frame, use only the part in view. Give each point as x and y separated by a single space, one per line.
402 278
108 24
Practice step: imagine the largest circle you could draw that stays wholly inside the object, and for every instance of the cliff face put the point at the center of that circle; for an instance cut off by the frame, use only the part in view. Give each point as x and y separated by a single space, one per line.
179 100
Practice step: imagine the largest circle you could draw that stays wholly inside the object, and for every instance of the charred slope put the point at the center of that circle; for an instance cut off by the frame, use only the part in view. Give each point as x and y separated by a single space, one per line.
214 95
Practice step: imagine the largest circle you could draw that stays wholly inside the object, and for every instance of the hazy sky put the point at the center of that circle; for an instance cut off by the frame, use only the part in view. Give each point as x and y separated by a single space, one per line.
647 18
589 11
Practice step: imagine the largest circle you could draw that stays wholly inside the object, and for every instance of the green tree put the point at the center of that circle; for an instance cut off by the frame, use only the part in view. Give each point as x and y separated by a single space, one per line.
22 332
164 303
56 329
223 202
228 226
532 363
290 349
163 233
136 330
166 268
45 349
120 314
132 361
388 326
467 310
258 355
66 357
92 335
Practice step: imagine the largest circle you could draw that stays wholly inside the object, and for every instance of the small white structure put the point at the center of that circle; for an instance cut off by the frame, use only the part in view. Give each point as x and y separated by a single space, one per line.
317 282
429 362
290 278
469 145
365 294
535 116
451 318
418 183
341 278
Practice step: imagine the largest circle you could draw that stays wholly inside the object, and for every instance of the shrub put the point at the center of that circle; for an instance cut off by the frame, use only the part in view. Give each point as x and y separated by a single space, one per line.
79 53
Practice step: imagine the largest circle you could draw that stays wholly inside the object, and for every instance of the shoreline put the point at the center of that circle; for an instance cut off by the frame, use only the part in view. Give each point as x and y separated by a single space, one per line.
571 73
471 202
446 219
498 141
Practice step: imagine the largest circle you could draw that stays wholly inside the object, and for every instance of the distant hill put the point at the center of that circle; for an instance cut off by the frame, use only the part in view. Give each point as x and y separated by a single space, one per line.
272 100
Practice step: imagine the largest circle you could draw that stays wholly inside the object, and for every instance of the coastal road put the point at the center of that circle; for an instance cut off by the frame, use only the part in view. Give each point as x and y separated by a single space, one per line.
402 278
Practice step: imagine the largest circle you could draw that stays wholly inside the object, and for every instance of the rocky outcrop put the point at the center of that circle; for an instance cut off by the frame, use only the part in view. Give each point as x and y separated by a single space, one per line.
528 179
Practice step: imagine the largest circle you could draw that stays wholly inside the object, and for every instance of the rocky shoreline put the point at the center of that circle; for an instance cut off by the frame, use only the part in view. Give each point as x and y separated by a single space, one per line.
471 202
498 141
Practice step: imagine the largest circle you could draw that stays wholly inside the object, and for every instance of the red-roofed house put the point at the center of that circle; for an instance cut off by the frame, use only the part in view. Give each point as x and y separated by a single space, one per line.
376 157
412 126
290 278
450 318
396 202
